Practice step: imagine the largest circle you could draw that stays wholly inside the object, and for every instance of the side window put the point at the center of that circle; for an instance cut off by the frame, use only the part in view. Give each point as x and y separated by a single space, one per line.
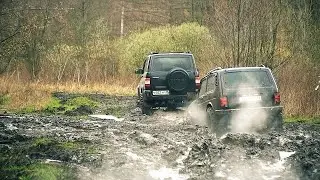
145 66
203 88
211 83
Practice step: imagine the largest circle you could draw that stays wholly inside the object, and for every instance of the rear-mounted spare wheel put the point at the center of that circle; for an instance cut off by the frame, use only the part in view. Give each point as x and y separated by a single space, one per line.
178 79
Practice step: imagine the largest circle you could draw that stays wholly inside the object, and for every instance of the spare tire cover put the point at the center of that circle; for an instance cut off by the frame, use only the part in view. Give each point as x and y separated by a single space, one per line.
178 79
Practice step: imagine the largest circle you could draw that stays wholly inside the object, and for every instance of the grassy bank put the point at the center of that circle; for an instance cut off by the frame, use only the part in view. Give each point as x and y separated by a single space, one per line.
46 158
297 119
32 96
48 172
27 160
27 97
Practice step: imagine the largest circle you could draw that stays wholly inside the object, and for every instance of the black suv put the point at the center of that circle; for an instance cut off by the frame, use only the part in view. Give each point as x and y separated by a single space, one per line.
167 80
243 99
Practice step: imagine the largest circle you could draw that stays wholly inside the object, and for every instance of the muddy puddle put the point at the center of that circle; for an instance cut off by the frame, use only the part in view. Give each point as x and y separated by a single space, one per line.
165 145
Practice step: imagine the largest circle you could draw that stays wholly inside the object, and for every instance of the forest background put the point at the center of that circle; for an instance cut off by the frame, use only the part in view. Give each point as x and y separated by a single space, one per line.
95 45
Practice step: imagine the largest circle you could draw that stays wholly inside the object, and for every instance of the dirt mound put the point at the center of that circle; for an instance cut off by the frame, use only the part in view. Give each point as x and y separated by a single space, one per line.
245 156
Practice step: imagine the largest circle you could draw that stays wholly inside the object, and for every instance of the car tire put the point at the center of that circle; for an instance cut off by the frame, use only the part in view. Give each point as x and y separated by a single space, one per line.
210 119
144 106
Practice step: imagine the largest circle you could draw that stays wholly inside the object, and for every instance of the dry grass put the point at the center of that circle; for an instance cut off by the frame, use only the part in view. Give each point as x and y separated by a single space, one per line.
297 83
297 87
37 95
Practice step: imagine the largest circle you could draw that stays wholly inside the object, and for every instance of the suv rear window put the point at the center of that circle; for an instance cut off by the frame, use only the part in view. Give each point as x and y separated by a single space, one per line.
166 63
238 79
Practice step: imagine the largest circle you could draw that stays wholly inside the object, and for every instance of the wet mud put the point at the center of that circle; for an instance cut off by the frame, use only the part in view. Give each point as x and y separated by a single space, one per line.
165 145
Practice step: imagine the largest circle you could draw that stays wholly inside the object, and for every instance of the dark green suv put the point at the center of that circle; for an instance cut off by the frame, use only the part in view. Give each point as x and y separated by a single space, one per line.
244 99
167 80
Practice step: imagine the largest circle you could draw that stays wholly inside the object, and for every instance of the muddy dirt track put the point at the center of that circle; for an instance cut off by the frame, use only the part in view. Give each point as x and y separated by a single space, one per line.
165 145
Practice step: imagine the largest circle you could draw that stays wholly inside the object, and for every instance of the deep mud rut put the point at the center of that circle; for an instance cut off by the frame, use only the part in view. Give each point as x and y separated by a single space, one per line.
163 146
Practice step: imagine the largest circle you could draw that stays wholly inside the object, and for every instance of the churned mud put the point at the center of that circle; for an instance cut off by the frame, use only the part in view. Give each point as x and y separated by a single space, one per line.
165 145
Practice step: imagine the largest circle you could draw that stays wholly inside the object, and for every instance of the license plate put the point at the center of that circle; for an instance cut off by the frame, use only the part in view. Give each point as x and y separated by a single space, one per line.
250 98
160 93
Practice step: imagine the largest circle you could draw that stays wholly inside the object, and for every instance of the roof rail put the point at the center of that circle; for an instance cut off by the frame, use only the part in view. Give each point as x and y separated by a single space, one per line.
217 68
214 69
187 52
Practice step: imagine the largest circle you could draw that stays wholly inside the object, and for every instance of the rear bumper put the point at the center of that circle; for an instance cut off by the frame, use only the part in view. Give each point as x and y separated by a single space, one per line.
260 117
271 109
165 100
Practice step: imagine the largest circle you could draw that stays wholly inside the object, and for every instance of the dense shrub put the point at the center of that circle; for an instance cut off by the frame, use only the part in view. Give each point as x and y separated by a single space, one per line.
186 37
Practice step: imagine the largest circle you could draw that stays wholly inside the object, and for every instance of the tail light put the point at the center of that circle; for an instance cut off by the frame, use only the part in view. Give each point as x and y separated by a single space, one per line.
198 82
147 83
223 102
277 98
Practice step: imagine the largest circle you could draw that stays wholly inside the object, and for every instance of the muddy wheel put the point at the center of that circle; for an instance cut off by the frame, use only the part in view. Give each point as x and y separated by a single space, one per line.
144 106
146 109
216 125
210 119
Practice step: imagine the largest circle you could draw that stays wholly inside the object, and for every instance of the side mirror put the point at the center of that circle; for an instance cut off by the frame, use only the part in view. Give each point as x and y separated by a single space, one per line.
139 71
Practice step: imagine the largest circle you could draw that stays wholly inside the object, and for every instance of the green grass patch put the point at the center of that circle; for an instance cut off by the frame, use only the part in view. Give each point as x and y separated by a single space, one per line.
64 146
41 171
17 165
80 101
115 110
27 110
67 146
70 145
73 146
310 120
42 142
54 105
4 99
58 106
